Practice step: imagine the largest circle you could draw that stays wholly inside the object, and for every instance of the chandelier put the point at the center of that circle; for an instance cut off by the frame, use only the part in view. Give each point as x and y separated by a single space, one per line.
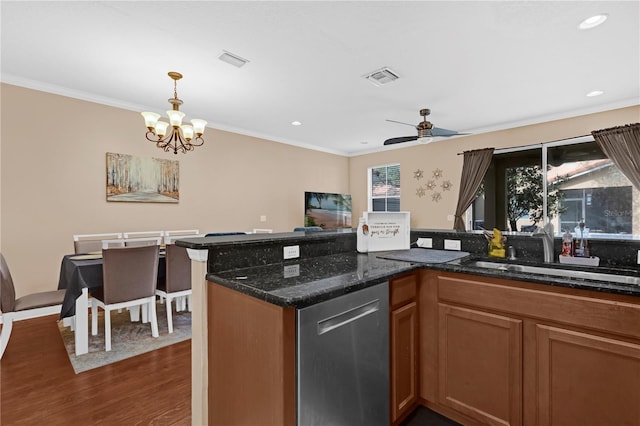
180 136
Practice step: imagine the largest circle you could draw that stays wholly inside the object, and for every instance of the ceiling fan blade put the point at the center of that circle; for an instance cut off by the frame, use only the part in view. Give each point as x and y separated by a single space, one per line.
400 122
400 140
436 131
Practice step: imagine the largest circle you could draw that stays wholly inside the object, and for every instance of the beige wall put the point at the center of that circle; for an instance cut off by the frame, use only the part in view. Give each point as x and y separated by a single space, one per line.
53 181
426 213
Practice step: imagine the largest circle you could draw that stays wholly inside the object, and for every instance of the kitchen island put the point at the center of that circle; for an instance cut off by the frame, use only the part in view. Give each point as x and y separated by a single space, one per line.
444 292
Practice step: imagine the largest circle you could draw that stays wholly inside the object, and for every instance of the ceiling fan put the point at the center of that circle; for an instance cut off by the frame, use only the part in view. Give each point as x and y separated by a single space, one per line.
426 131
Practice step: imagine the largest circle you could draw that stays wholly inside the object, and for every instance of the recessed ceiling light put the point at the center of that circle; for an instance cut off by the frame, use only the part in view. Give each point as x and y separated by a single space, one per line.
593 21
595 93
296 123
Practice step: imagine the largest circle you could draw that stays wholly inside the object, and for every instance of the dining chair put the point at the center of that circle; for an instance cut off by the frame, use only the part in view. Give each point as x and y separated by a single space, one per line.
129 279
143 234
138 242
33 305
190 233
262 231
171 239
177 282
119 242
84 243
224 234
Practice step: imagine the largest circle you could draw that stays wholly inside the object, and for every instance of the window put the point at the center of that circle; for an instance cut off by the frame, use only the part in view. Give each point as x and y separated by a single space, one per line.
384 188
581 185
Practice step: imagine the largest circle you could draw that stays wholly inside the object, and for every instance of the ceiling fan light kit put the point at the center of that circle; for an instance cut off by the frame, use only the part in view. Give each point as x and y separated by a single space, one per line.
426 131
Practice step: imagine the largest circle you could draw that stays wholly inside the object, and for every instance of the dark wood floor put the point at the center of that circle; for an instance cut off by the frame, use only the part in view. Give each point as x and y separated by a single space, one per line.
424 417
39 387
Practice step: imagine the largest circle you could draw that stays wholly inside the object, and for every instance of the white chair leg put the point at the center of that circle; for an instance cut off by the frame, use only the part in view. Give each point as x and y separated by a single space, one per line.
134 313
170 314
145 313
7 326
183 303
154 317
107 330
94 317
69 322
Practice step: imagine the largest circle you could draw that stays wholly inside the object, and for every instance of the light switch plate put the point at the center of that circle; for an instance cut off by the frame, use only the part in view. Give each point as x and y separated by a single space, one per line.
452 245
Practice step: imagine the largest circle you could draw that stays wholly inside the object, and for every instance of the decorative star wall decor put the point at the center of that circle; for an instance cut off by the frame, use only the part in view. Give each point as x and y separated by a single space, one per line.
431 185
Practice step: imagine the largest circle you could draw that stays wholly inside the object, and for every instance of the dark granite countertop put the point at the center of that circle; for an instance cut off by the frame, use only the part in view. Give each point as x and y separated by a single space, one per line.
304 282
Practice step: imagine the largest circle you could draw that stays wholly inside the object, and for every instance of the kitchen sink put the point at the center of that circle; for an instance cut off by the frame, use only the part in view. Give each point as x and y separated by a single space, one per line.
558 272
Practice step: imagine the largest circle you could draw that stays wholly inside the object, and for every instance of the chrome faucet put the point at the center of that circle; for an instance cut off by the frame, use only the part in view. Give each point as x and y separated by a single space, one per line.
546 232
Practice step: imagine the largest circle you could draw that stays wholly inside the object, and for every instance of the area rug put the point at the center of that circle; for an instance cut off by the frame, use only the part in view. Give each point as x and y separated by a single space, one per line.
128 339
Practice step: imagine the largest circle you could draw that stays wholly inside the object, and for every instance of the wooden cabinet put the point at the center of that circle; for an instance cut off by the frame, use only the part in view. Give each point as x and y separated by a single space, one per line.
480 364
251 353
585 379
519 353
404 346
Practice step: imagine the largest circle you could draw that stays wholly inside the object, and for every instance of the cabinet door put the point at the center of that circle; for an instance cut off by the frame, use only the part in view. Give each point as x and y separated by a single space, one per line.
480 364
586 380
404 374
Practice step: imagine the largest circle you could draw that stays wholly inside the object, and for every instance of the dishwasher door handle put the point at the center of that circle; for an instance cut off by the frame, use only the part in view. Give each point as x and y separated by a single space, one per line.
346 317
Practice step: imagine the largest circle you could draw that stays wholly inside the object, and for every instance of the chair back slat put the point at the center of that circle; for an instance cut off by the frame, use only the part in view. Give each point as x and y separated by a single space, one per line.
7 290
129 273
139 242
178 269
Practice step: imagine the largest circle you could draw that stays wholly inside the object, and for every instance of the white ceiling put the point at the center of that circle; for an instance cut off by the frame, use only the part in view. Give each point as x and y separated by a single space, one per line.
478 65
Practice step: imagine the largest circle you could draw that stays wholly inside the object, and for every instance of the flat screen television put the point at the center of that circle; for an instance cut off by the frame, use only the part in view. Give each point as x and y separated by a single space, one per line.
327 210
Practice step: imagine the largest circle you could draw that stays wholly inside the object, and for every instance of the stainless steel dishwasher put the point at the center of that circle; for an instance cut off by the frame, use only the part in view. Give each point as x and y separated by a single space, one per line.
343 360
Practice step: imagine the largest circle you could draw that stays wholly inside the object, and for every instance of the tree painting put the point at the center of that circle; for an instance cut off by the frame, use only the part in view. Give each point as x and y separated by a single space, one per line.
139 179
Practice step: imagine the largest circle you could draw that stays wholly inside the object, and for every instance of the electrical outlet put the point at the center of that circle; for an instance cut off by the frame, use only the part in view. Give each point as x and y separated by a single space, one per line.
425 242
452 245
291 252
263 218
450 217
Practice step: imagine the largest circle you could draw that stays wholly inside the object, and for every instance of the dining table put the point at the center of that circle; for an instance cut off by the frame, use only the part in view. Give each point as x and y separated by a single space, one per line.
79 274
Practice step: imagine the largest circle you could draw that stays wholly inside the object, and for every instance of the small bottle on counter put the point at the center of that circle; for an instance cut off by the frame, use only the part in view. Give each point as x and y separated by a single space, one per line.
567 244
362 236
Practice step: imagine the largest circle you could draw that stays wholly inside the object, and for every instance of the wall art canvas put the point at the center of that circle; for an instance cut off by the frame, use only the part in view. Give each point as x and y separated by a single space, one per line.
142 180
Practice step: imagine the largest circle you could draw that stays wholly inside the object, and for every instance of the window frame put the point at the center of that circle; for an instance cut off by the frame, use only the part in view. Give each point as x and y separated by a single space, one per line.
370 196
544 147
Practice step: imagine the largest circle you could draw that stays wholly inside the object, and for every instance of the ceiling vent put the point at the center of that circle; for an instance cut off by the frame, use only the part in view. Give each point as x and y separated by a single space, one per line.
382 76
232 59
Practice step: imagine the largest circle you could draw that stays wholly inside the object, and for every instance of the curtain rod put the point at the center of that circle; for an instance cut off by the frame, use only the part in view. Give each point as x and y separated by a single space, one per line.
523 147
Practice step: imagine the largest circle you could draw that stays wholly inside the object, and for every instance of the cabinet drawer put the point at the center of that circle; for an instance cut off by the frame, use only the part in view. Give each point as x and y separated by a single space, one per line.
403 290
